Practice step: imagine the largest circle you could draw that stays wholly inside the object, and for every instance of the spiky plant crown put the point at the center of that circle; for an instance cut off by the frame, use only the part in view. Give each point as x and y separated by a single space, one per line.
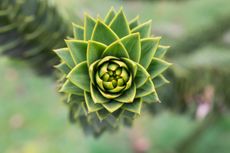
26 28
111 67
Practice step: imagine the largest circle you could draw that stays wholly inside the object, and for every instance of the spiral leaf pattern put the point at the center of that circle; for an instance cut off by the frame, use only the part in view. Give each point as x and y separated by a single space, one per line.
111 67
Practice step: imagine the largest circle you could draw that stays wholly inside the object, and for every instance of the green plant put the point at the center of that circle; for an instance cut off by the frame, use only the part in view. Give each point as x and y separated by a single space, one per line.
26 28
110 68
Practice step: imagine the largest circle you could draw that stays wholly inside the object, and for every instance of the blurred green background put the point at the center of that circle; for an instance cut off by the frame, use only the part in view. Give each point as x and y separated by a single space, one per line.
34 120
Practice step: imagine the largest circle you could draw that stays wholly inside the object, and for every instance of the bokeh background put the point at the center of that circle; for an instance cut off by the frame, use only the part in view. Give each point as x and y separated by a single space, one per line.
193 116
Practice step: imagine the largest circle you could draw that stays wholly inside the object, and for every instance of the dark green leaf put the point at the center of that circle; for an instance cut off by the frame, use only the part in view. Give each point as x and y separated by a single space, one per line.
96 95
120 25
89 24
132 44
157 66
102 33
134 107
91 106
159 81
94 51
109 17
79 76
146 89
65 56
112 106
77 49
141 76
70 88
116 49
144 29
161 50
148 49
78 32
128 95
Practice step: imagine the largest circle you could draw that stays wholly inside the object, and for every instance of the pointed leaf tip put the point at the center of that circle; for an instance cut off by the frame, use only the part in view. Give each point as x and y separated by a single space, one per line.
78 31
148 49
77 49
120 25
89 24
102 33
79 76
157 66
132 44
112 106
91 106
144 29
94 51
116 49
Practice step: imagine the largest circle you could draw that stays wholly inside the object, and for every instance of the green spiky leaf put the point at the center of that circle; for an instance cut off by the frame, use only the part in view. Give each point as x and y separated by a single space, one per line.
157 66
79 76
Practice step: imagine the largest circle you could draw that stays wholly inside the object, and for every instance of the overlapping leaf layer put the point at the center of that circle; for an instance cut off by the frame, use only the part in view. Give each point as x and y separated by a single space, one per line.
111 67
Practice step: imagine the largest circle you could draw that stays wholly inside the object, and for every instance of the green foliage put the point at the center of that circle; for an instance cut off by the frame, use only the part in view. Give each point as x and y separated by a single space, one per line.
29 29
205 67
110 69
202 36
200 59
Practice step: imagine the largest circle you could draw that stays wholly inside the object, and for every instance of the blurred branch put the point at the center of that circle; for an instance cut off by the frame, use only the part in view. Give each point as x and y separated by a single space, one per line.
197 39
189 141
29 30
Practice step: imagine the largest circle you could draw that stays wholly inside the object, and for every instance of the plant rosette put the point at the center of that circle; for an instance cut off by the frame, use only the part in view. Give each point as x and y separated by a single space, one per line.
111 68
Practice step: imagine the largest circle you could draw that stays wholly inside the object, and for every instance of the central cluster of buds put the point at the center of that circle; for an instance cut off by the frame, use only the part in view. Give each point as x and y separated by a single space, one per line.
112 77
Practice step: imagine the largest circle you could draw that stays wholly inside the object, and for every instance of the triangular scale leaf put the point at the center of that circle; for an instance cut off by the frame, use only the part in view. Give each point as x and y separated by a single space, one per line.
89 24
76 98
116 49
141 76
120 25
91 106
146 89
151 98
109 17
102 33
92 71
144 29
109 95
70 88
129 115
117 114
127 96
148 49
161 51
131 65
62 67
112 121
102 114
157 66
65 56
78 32
159 81
112 106
134 107
134 23
79 76
94 51
132 44
77 49
74 112
96 95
